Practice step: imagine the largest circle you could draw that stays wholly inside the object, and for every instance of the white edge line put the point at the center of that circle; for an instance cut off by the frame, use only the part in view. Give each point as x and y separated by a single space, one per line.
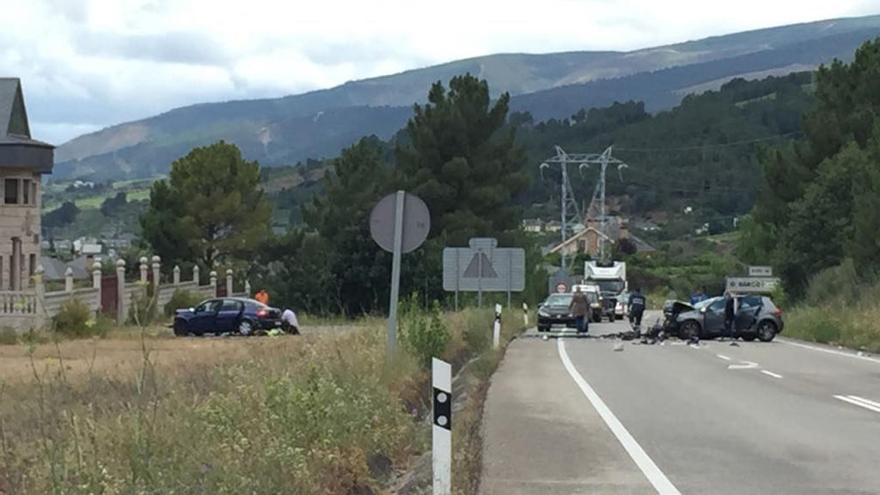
857 403
831 351
722 356
659 480
770 373
864 400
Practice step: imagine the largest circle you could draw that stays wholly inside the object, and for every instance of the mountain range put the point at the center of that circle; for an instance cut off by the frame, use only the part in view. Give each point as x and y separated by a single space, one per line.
285 130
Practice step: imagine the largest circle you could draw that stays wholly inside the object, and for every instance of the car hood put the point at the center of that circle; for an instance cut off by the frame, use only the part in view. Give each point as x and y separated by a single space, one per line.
688 315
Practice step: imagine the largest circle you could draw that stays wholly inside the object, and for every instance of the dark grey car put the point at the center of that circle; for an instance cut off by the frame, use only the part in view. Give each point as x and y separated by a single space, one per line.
756 317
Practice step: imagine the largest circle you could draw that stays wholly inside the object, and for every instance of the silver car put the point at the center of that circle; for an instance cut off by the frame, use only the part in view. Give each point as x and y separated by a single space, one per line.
756 317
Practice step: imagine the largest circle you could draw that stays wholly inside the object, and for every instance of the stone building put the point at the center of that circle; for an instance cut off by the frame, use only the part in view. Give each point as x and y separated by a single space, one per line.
23 161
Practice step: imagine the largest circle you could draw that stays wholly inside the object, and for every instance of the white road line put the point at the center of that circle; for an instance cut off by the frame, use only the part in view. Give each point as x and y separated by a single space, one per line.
746 365
830 351
770 373
857 403
722 356
864 400
659 480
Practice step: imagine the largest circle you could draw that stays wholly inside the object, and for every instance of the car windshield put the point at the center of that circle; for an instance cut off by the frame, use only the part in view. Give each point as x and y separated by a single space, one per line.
558 300
705 302
610 285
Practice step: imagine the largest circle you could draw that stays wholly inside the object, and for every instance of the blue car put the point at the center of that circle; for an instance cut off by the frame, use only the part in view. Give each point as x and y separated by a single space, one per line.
227 315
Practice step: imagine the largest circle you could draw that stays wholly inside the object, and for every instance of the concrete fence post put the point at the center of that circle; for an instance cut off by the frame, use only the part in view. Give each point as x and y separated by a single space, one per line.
176 275
68 280
213 277
157 274
39 290
229 282
96 283
247 288
121 303
144 268
196 274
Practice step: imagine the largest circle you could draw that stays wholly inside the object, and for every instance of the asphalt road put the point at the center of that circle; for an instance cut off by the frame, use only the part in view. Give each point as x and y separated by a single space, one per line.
573 415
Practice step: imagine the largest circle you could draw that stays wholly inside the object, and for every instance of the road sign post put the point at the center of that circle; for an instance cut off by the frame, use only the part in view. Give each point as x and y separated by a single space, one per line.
441 445
399 223
395 272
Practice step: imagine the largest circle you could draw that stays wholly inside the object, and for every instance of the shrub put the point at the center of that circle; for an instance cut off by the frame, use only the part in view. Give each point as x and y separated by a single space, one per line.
143 308
73 319
8 336
840 283
181 299
424 333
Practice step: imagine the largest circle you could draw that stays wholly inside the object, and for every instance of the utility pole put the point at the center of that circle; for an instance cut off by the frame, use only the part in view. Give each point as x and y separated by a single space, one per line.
568 205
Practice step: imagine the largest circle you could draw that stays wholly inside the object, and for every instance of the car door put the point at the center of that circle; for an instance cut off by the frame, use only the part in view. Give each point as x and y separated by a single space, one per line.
713 318
205 316
747 312
228 316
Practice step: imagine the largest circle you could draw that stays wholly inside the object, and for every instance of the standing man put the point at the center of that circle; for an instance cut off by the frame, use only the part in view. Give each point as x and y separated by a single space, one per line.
637 304
579 307
729 317
289 322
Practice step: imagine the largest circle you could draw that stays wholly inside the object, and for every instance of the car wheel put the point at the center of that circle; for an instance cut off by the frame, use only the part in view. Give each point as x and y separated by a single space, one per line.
749 337
245 327
690 330
180 328
766 331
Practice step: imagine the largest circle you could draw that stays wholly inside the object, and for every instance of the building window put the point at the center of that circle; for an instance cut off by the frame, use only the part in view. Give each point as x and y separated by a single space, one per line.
32 268
10 191
33 192
26 191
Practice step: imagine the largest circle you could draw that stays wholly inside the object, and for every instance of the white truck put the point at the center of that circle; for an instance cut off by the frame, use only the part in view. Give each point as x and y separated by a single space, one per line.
611 280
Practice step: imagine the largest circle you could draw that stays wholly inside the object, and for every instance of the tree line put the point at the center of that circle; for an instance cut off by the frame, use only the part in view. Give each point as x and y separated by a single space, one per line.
456 153
819 203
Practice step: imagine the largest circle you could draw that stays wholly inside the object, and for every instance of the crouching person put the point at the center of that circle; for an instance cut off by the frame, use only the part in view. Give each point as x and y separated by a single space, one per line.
289 322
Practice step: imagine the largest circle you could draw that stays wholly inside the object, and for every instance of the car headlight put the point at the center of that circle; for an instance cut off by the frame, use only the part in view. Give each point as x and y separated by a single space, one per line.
541 312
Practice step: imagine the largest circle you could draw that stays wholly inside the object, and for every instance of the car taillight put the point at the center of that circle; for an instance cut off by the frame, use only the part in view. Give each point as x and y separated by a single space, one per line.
262 313
778 312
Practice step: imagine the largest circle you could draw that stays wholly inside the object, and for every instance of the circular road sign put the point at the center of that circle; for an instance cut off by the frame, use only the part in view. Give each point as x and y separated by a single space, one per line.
561 288
416 222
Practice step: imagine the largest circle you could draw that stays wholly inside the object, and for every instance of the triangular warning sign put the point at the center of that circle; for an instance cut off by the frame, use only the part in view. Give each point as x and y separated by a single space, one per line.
480 267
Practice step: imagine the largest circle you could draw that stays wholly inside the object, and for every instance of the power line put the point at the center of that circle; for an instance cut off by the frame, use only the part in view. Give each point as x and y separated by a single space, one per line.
710 146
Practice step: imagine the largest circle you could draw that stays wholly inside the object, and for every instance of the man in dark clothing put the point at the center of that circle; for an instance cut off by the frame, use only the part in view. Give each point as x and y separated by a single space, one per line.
729 316
637 303
579 307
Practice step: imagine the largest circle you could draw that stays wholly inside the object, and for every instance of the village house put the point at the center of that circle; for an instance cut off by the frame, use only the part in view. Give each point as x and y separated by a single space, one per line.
23 161
589 240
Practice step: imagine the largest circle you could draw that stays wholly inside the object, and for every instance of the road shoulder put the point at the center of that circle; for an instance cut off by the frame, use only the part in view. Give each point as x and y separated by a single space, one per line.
542 436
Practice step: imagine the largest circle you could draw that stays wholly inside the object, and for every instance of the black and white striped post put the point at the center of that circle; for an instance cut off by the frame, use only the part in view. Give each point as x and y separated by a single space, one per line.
496 328
441 376
525 314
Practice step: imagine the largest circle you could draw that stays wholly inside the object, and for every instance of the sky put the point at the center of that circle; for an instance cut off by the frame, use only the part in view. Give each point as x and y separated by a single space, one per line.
89 64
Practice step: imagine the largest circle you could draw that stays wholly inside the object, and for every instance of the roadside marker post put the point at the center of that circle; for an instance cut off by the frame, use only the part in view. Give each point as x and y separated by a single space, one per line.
496 328
441 447
525 314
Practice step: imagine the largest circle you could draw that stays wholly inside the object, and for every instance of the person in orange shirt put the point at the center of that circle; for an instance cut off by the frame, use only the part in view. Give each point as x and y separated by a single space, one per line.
262 296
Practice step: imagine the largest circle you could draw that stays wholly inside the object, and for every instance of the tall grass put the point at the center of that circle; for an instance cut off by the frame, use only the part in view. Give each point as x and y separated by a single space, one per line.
320 414
840 309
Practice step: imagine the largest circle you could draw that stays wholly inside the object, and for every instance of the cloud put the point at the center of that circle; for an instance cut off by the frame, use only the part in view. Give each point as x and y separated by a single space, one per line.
180 47
87 64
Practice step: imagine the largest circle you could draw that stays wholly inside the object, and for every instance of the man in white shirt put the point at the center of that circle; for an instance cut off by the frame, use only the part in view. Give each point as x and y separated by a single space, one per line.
289 322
